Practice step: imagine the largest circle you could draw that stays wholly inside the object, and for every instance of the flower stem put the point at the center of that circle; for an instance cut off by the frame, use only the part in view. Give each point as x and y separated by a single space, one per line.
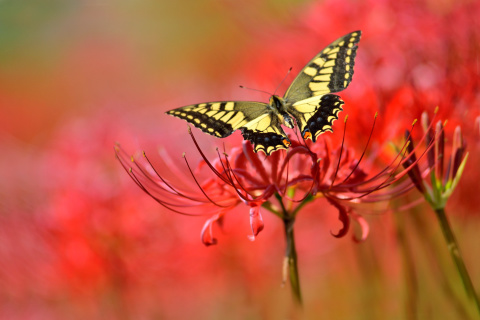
290 262
456 256
291 259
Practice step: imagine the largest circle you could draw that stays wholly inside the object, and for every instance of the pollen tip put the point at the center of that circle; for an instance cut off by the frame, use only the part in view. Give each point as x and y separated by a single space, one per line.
376 115
189 129
436 110
130 170
445 123
183 155
346 118
414 122
143 153
132 159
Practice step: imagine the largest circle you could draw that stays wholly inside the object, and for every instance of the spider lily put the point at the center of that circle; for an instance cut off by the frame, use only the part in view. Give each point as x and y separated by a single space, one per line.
281 183
443 180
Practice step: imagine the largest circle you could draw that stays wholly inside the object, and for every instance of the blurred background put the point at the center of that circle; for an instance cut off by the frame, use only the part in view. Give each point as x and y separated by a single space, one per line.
78 239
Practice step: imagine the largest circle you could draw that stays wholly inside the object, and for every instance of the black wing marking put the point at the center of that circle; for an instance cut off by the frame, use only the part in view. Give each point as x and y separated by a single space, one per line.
266 133
316 115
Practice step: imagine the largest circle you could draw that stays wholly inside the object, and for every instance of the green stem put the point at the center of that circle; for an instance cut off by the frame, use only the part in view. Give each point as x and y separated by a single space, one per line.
456 256
290 252
308 199
291 257
411 283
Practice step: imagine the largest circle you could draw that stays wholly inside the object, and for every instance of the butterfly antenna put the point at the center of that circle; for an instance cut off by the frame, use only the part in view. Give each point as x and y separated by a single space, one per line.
243 87
288 72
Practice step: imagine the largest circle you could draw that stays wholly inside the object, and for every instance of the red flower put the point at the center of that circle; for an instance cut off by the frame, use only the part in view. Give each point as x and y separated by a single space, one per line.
443 178
303 174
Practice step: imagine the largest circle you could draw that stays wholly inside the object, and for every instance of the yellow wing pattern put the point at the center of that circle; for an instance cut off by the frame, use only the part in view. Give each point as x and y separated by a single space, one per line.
257 122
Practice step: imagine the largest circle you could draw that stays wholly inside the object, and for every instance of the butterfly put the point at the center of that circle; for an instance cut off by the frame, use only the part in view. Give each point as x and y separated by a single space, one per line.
308 101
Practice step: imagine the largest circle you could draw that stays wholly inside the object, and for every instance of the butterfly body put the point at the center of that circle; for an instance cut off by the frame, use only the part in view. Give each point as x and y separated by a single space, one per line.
308 103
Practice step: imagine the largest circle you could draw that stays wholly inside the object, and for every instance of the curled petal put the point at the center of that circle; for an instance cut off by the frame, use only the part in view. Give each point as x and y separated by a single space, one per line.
207 230
342 216
365 228
256 222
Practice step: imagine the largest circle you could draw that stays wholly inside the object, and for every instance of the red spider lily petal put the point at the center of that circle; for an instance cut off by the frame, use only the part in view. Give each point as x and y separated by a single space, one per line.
256 162
256 222
428 138
477 128
439 150
414 173
342 216
365 228
458 150
207 231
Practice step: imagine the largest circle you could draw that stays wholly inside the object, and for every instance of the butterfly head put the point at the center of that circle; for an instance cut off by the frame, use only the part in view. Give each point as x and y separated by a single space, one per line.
277 103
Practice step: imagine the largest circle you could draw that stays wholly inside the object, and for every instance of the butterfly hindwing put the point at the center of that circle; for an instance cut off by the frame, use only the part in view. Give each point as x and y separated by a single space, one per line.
329 71
266 134
316 115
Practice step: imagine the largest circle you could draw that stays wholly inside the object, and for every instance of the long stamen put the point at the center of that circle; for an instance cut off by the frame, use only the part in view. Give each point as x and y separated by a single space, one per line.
341 151
162 203
201 189
364 150
175 191
388 169
231 177
204 157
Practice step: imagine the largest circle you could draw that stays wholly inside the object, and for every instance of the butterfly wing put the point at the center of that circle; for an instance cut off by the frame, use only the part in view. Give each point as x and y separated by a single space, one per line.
308 98
257 121
329 71
266 133
316 115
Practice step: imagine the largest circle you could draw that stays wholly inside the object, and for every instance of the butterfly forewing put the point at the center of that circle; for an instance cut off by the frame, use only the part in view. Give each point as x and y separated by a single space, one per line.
258 123
221 118
329 71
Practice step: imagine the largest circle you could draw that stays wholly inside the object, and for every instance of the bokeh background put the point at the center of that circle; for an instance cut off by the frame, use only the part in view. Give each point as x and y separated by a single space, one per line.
78 239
